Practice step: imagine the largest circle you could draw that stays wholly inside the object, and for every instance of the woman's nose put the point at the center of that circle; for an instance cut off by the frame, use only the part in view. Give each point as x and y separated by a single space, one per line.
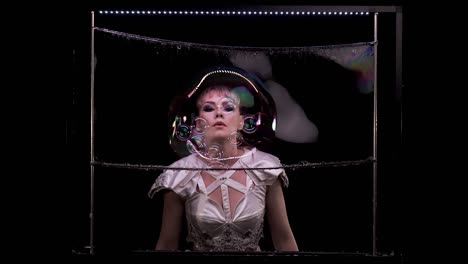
219 112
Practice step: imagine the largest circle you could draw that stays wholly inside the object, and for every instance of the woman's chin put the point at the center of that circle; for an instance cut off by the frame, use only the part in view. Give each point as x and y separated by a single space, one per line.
219 138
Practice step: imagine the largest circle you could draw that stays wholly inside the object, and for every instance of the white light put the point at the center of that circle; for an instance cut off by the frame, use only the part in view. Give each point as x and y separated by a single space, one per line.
367 13
232 12
362 13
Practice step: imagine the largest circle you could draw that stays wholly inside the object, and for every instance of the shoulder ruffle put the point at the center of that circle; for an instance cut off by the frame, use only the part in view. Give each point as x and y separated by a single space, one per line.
182 182
260 159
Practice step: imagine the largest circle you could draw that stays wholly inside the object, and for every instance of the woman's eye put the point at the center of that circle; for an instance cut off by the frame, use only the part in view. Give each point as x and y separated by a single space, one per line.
229 108
208 108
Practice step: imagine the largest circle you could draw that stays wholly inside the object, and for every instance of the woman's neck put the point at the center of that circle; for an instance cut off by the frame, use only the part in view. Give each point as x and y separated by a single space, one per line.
222 149
223 157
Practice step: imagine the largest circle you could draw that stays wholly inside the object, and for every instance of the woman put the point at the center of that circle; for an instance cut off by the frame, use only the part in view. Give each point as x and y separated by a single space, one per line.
223 200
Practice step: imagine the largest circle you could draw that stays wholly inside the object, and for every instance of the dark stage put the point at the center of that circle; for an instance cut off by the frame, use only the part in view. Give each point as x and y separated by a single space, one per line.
339 214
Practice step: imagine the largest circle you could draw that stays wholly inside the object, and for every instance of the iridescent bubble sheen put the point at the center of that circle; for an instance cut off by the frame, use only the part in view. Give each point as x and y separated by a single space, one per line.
187 130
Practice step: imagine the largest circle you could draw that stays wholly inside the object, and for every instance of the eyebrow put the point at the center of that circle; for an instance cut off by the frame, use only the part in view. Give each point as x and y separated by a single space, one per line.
231 100
208 102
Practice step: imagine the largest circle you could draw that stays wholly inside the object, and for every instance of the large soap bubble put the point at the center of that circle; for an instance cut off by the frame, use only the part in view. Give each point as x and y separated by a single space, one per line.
226 112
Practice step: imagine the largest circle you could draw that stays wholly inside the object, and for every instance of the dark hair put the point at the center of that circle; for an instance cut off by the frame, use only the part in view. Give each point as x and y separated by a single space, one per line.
220 89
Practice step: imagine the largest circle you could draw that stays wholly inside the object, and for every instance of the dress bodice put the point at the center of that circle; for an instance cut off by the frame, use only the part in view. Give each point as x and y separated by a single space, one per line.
217 227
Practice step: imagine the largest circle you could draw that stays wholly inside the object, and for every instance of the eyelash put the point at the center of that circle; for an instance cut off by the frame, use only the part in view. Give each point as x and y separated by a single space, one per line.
227 108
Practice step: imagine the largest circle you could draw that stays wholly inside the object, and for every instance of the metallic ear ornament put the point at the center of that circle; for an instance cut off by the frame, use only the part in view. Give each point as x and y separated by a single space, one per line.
183 132
250 124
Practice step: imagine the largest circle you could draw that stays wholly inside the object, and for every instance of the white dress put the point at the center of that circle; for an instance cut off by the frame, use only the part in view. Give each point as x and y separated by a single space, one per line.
212 227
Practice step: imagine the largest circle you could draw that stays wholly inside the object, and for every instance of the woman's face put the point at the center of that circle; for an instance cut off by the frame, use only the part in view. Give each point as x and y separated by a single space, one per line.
221 112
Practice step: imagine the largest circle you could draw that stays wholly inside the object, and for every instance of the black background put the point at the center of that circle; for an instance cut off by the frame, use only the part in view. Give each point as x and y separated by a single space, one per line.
329 212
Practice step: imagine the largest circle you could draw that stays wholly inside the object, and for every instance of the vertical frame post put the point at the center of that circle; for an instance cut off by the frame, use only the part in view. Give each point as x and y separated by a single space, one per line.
374 152
91 210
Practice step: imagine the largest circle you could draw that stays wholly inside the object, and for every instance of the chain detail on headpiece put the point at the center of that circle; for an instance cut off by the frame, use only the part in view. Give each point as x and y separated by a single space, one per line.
220 71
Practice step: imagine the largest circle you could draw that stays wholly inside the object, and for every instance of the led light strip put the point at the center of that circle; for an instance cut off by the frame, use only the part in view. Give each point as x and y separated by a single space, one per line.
229 13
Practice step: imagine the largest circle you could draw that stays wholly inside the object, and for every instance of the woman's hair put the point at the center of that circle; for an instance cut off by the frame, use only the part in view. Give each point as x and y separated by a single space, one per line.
220 90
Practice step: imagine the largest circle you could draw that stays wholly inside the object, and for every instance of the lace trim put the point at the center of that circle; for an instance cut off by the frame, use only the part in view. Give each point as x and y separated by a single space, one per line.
158 185
228 240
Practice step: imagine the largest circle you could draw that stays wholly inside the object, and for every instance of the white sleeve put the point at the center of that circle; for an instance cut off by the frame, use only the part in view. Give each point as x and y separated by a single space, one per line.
182 182
259 159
